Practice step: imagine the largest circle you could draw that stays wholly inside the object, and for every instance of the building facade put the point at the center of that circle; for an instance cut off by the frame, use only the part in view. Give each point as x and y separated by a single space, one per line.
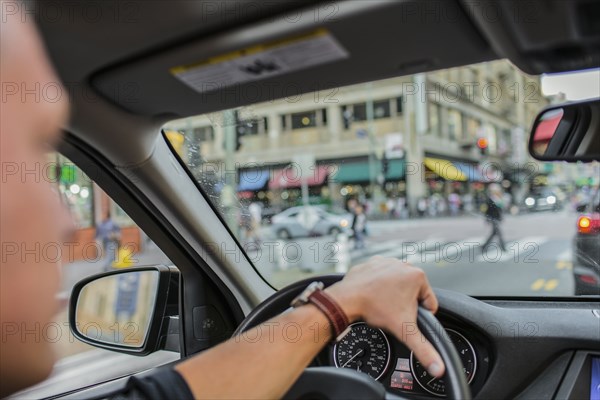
410 137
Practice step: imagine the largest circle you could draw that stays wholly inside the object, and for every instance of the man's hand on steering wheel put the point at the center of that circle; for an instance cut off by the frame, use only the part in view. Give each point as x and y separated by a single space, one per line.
385 293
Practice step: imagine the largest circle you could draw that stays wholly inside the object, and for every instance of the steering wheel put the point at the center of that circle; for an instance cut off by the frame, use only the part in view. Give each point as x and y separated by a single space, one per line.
343 383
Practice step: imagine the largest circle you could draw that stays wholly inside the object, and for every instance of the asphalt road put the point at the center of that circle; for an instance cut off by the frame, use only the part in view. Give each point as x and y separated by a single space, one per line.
538 260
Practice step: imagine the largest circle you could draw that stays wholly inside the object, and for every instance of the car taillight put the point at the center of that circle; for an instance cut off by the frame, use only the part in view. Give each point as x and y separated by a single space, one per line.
590 280
584 224
587 225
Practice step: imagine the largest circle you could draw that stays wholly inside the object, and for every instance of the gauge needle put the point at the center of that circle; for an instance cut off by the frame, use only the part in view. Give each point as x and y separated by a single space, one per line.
432 379
358 353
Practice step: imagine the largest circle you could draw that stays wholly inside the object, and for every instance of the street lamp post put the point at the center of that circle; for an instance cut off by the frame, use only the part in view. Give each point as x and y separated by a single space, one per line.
228 191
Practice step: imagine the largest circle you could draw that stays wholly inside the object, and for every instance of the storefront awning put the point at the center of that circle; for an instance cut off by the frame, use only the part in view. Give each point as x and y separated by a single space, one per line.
445 169
289 178
471 171
396 169
253 180
352 172
358 172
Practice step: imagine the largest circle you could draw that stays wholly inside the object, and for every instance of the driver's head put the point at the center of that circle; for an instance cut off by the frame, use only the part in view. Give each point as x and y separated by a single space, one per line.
32 221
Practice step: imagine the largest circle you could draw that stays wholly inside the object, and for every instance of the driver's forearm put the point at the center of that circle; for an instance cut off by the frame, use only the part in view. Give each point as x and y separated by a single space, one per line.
261 363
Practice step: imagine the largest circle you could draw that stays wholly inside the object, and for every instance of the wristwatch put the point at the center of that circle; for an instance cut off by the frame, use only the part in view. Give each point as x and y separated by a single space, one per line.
314 294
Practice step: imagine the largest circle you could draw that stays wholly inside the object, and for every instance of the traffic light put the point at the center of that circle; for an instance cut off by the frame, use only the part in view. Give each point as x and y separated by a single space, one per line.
240 131
482 144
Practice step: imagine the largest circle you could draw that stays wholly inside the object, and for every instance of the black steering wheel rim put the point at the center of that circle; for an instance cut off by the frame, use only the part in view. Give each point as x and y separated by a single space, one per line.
456 382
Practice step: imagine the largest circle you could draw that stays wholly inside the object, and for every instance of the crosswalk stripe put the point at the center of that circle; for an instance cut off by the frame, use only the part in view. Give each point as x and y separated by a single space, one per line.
409 245
442 251
525 248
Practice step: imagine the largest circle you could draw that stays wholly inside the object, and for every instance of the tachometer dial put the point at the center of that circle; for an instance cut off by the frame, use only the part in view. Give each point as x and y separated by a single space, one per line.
364 349
467 356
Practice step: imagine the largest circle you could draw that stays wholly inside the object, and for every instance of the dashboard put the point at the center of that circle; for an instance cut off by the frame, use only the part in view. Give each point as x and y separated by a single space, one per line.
380 355
510 348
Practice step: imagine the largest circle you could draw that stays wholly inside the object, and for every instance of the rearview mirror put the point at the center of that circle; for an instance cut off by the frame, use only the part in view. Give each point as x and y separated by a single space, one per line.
127 310
567 132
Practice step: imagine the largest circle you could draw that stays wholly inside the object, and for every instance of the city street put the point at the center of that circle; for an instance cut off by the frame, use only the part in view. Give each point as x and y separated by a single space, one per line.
538 260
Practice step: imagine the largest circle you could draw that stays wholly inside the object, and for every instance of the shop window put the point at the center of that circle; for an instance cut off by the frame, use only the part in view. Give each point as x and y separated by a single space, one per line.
75 188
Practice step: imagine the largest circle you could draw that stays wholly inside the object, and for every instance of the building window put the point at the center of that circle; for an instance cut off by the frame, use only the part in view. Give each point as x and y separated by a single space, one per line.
347 116
359 112
399 105
304 120
381 109
472 127
455 125
434 119
204 134
251 127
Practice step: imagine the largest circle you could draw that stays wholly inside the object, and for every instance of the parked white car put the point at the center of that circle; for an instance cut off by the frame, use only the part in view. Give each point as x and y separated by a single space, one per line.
308 221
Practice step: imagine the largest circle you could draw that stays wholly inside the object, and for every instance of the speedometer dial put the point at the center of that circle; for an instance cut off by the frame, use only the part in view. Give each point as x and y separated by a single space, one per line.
467 356
363 349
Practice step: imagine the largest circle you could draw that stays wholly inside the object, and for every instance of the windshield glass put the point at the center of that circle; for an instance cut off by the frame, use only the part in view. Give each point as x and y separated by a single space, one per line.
430 168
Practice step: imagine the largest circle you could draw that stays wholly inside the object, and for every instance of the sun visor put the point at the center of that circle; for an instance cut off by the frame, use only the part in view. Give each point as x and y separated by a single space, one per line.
305 51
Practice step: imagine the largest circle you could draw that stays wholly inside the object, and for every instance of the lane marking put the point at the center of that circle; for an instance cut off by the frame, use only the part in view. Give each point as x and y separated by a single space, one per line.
551 285
568 265
547 286
538 284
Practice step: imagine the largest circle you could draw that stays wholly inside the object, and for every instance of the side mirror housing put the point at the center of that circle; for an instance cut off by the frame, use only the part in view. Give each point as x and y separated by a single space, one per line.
132 311
567 132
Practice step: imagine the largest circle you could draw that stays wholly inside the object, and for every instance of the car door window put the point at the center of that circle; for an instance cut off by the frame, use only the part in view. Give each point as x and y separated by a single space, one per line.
105 239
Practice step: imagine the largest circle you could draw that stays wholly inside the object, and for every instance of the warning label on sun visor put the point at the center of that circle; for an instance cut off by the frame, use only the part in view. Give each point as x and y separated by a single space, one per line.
261 62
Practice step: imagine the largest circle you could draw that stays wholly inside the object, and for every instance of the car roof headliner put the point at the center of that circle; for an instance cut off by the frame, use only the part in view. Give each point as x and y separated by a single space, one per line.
121 52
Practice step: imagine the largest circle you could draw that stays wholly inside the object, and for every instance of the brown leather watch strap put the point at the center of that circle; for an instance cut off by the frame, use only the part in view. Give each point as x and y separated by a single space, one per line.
332 310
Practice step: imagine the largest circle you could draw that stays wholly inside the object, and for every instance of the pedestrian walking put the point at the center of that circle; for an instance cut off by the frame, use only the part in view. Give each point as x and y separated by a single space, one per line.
359 226
493 215
109 235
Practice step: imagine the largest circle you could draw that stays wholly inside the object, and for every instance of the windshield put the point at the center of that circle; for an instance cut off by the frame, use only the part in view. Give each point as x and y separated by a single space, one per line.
430 168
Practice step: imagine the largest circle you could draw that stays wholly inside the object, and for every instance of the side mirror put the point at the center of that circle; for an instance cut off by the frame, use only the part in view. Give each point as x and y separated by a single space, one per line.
132 311
567 132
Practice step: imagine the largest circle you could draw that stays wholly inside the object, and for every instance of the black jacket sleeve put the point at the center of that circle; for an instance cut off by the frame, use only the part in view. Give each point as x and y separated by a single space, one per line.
161 385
